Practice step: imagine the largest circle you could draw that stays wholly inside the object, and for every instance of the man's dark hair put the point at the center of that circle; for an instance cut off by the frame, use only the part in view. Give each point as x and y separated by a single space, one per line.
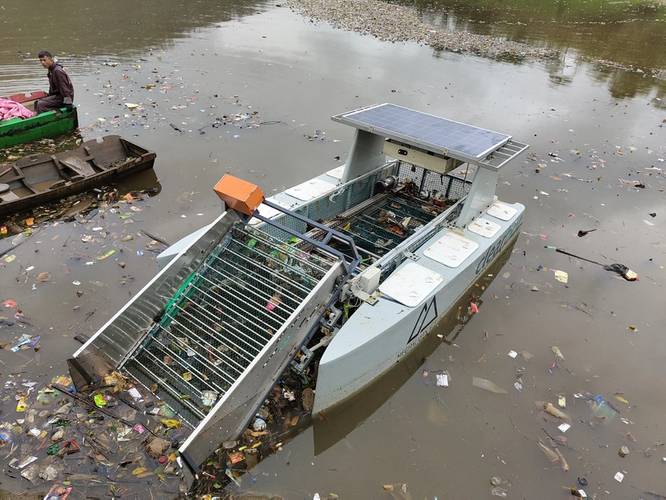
44 53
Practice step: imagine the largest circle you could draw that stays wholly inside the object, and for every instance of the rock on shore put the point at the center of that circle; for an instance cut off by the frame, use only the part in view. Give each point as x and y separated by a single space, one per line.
397 23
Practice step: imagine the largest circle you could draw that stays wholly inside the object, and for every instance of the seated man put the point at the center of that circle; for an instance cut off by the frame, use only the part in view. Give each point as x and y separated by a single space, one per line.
61 91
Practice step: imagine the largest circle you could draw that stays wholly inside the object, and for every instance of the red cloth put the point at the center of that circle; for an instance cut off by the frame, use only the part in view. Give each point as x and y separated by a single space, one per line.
10 109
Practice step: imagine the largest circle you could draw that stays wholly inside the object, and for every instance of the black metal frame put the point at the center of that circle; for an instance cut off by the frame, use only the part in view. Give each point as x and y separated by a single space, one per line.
330 234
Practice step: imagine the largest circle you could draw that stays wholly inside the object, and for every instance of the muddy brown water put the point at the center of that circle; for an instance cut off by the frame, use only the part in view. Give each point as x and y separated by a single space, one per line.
189 63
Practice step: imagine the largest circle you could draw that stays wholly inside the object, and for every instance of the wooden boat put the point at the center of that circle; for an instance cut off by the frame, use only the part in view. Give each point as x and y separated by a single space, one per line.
36 179
41 126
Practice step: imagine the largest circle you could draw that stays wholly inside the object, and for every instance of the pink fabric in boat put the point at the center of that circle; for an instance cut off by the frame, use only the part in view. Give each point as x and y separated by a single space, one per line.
10 109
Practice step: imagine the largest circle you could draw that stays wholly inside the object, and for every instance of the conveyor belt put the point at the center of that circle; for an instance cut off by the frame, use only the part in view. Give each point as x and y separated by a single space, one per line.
221 318
214 330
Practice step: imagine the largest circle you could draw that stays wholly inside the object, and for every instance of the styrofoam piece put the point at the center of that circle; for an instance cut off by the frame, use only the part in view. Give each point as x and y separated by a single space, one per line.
337 172
484 227
451 249
501 210
309 190
442 379
411 284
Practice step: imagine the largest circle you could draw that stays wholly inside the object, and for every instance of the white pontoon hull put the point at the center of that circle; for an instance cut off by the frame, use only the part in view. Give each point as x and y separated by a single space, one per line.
378 336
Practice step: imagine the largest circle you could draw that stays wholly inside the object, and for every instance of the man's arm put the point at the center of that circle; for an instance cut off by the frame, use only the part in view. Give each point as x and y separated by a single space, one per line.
64 87
52 89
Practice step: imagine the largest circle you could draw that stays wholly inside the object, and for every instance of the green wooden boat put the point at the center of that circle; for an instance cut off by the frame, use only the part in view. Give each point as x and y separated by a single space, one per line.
42 126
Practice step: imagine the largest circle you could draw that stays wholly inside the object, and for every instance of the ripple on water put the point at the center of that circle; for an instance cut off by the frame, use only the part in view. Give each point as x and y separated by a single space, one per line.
28 74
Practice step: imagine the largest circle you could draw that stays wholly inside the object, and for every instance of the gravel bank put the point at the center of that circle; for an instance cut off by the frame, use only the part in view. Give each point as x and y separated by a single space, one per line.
397 23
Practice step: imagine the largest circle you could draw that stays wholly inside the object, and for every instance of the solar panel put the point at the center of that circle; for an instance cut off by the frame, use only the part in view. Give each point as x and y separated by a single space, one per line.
428 131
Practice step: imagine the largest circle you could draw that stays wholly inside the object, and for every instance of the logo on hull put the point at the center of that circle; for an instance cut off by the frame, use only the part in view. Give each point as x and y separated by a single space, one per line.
427 315
498 246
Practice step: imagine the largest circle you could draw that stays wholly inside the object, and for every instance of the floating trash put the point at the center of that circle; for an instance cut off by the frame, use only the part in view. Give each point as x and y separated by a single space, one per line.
487 385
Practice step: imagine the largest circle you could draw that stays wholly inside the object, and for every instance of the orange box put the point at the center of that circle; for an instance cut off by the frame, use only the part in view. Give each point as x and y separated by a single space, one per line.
239 195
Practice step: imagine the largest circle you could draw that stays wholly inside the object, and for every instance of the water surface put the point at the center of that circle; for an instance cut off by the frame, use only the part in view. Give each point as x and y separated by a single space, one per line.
630 34
83 34
586 142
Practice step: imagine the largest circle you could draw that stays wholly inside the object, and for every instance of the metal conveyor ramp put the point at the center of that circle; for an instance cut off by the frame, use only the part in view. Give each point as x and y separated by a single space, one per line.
222 317
217 326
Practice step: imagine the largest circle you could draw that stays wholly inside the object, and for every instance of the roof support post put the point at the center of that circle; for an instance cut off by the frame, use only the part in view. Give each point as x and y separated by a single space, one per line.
366 154
481 195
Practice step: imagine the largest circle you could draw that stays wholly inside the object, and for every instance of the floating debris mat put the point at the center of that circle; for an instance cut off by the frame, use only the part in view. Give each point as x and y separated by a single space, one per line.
222 316
385 224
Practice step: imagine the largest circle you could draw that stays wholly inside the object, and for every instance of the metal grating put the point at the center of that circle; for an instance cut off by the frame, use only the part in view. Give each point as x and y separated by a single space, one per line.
378 223
436 134
222 316
451 186
330 205
290 222
505 154
383 225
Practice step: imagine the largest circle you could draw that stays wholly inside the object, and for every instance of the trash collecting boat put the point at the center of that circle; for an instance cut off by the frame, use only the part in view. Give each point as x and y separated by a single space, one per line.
40 178
42 126
346 272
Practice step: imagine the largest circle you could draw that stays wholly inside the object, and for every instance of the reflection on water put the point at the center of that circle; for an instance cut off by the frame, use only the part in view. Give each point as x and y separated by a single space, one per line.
83 34
629 34
622 84
625 34
144 181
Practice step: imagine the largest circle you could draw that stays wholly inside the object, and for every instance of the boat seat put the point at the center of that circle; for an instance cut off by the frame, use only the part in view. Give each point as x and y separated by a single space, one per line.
78 165
58 184
8 196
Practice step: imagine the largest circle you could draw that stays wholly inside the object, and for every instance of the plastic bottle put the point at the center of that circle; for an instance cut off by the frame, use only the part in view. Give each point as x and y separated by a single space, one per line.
6 437
602 409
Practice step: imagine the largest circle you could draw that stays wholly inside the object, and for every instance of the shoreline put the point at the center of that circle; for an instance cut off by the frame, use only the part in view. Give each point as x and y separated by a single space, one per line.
398 23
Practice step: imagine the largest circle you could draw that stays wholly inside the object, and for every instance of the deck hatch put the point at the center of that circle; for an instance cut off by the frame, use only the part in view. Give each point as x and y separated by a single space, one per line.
502 211
484 227
411 284
451 249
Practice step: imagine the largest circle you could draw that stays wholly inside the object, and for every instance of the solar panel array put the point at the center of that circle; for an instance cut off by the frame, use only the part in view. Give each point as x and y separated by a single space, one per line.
440 134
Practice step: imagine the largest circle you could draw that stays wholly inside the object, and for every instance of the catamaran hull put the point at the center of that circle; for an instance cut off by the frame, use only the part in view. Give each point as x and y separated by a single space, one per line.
378 336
